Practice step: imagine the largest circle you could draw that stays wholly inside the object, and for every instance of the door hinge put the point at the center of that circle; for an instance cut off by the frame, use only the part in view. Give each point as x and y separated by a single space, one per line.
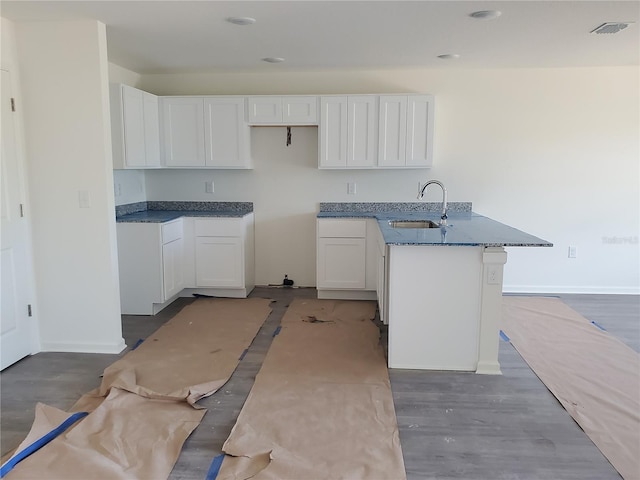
13 104
29 312
21 210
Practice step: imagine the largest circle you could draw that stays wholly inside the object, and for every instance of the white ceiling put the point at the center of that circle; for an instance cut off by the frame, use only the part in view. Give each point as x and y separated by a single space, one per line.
193 36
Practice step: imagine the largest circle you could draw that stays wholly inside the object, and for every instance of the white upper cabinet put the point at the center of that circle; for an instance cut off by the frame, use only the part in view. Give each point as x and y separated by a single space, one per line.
276 110
134 128
227 143
348 134
183 131
205 132
405 137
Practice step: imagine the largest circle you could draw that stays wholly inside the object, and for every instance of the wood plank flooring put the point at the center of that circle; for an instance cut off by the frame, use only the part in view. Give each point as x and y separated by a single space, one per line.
452 425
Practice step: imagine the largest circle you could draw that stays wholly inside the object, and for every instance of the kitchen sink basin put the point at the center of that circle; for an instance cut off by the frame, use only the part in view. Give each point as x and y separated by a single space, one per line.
412 224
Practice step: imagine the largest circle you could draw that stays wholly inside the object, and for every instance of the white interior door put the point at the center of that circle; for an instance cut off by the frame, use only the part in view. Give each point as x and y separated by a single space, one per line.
15 332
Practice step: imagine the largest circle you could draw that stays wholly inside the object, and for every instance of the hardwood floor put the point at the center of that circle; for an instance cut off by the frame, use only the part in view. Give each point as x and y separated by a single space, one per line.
452 425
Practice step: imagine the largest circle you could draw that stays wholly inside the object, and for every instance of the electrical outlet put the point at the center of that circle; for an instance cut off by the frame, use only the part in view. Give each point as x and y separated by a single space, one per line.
209 187
573 251
117 190
351 188
494 275
84 199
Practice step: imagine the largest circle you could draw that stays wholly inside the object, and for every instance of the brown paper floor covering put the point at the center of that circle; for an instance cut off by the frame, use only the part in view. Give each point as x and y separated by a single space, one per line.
145 407
595 376
321 406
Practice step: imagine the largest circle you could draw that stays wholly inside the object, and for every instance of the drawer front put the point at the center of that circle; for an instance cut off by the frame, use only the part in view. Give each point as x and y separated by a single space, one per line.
218 227
171 231
339 228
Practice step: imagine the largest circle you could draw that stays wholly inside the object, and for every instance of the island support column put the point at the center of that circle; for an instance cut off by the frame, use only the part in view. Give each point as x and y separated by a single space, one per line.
493 260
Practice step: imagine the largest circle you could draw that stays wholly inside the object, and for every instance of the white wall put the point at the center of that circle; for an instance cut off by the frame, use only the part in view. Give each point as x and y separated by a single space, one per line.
65 86
553 152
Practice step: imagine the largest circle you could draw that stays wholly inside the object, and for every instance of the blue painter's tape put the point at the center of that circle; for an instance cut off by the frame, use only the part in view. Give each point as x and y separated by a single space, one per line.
41 442
504 337
243 354
214 469
140 340
599 326
277 330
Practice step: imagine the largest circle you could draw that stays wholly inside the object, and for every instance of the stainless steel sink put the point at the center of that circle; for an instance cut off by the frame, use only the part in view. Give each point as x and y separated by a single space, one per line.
412 224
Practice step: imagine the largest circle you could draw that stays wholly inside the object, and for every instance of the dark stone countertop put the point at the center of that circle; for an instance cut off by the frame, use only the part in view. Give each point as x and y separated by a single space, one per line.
464 228
160 212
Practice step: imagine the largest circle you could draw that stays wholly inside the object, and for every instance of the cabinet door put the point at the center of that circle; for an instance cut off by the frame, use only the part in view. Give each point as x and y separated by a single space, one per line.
300 110
341 263
226 133
151 130
183 131
419 131
266 110
361 132
219 262
392 139
134 127
173 267
333 132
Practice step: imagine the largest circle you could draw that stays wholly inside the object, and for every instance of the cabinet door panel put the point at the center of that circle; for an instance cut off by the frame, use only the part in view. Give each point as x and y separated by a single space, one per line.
219 262
300 110
172 267
392 131
419 131
265 109
134 127
226 141
361 144
183 129
151 130
333 132
341 263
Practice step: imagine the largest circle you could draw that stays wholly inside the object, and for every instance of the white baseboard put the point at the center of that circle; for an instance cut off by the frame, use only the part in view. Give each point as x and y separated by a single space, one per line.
113 348
347 294
587 290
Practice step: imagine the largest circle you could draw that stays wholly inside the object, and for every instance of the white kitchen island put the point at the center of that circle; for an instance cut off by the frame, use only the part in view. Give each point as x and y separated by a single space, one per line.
441 289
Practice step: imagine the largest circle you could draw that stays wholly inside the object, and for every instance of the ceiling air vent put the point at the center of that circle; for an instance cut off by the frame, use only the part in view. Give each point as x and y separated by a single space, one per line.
611 27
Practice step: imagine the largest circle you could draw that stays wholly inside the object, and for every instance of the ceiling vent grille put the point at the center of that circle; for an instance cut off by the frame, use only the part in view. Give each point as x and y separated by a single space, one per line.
611 27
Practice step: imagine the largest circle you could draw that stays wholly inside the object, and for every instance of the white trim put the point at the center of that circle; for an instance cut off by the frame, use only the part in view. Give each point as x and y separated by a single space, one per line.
571 289
348 294
84 347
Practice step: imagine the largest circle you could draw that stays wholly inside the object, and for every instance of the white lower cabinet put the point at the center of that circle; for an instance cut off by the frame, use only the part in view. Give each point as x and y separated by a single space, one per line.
151 265
160 261
381 276
224 254
346 262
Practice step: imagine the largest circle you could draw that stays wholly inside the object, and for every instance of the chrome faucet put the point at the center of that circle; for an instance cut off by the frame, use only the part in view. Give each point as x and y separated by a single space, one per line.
422 189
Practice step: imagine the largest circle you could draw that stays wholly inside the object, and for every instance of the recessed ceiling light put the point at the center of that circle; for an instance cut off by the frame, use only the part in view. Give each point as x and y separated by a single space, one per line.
486 14
241 20
449 56
273 59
